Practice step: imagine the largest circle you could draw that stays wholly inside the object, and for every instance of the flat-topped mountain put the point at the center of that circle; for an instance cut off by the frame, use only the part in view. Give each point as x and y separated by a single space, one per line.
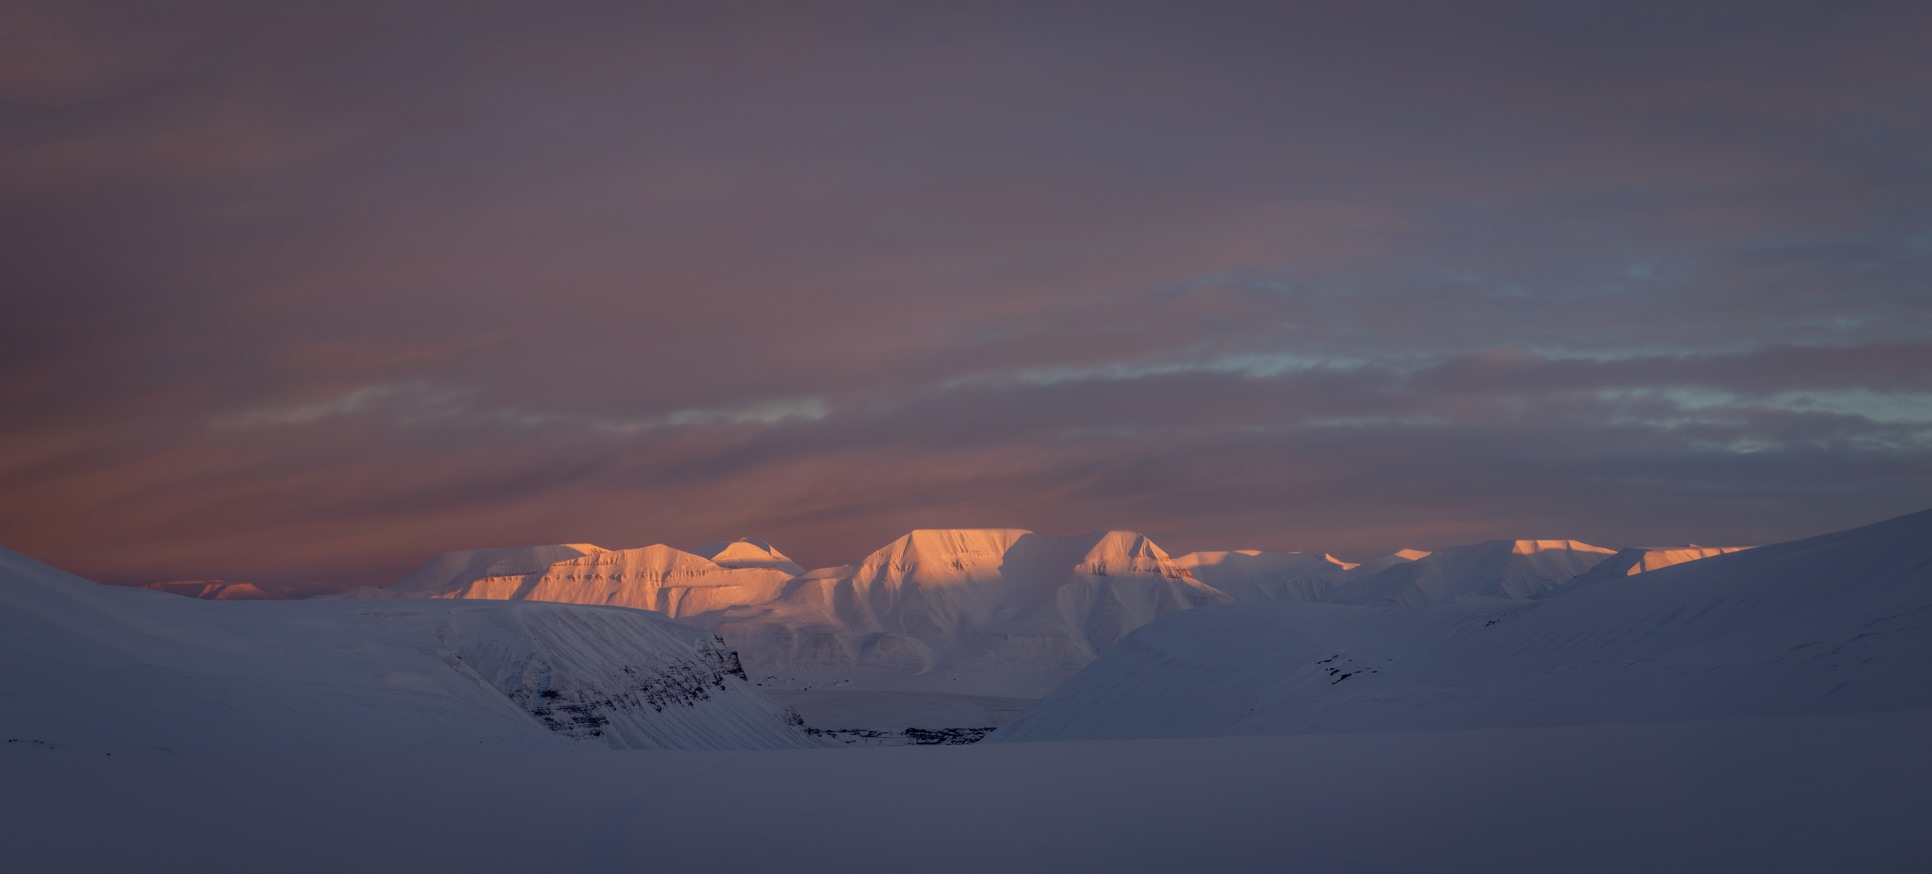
678 584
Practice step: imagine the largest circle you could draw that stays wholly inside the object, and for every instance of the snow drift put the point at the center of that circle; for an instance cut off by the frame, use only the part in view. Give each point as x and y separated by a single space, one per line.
1831 624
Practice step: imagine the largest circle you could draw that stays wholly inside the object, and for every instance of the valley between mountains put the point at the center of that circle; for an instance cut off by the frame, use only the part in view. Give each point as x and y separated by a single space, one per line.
989 699
946 630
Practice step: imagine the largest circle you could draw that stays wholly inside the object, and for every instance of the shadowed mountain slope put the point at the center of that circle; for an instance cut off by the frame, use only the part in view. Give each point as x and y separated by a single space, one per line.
110 668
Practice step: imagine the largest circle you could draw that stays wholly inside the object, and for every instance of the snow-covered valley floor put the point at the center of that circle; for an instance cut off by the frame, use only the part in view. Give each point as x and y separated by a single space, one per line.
1817 793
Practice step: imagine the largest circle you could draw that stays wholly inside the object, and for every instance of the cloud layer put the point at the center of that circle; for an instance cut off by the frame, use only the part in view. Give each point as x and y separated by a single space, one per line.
315 291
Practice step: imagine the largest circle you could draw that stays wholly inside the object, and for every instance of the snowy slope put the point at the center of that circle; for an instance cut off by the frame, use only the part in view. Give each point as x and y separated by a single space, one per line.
1637 560
657 578
1252 575
998 612
1837 623
1496 569
114 669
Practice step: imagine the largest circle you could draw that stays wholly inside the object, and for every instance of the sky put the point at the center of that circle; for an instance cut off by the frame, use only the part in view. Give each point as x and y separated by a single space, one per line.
312 292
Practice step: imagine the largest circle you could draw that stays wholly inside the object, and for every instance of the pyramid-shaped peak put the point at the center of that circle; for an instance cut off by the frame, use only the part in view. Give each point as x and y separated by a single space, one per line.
748 552
1127 544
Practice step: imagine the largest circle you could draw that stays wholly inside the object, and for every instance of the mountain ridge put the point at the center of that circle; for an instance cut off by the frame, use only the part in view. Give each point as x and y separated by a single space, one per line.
1836 623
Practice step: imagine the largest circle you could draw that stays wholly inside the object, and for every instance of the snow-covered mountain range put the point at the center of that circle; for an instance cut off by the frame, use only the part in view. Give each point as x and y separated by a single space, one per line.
1830 624
1755 710
984 612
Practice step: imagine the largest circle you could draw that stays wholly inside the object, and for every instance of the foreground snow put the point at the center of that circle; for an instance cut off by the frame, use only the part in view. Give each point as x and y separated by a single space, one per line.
969 613
99 669
1805 794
